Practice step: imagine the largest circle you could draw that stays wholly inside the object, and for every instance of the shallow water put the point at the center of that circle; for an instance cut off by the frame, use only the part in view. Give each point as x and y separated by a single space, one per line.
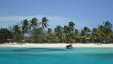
56 56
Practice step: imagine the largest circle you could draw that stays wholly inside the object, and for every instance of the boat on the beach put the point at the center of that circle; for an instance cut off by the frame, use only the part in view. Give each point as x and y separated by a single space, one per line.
69 46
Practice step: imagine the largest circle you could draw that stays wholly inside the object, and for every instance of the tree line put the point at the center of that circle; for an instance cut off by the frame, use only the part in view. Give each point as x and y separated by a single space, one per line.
38 32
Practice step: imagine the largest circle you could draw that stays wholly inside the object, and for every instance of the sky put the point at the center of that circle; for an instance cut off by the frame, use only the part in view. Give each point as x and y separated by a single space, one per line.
90 13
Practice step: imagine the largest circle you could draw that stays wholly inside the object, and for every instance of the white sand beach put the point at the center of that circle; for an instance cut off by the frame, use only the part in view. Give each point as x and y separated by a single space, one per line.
56 45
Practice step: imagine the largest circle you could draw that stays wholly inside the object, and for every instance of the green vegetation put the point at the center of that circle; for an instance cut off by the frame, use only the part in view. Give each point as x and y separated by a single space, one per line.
5 35
38 32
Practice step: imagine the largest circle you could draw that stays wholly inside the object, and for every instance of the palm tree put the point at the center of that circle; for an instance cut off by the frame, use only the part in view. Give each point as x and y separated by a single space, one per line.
101 34
16 29
85 33
58 31
25 26
49 30
66 29
107 30
95 35
37 34
17 34
69 32
44 22
49 35
76 31
34 22
111 37
71 25
77 35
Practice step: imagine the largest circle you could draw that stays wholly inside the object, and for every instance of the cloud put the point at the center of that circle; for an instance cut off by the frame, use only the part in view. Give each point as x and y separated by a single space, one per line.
6 21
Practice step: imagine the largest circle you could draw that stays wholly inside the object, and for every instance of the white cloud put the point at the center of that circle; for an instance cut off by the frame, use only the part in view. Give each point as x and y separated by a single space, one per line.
6 21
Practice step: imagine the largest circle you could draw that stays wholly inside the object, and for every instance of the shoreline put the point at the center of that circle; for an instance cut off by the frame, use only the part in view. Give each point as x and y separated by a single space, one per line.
55 45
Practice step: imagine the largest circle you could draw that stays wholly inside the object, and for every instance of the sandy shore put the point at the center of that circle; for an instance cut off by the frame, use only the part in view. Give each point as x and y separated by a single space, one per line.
56 45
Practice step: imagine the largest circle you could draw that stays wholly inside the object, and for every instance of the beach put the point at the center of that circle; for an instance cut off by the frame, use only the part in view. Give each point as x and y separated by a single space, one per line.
54 45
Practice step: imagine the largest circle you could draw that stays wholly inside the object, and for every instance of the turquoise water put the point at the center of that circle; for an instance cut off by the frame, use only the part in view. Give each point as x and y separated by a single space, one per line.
56 56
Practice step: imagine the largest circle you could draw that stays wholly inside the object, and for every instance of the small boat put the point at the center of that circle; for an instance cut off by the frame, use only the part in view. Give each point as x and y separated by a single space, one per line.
69 46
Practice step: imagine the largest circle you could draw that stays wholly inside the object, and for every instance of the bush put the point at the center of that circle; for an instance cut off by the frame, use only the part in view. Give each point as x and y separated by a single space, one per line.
5 35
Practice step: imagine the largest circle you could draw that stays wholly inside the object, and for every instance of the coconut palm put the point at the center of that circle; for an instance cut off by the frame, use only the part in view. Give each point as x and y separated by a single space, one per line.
66 31
95 35
49 35
77 35
49 30
85 33
101 34
71 26
17 34
69 32
37 34
58 31
25 26
44 22
34 22
107 30
16 29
